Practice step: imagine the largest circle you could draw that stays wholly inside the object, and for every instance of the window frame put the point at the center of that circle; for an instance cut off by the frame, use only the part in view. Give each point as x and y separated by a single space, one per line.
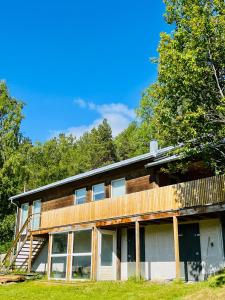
125 185
92 198
21 215
35 214
75 196
59 255
80 254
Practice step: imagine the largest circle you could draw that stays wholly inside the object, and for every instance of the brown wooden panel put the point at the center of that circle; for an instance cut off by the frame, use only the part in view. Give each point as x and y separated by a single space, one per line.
58 203
138 184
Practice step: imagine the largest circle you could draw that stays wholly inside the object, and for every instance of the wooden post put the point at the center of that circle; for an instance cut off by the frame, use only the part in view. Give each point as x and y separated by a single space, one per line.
137 245
49 255
94 258
69 256
176 246
30 254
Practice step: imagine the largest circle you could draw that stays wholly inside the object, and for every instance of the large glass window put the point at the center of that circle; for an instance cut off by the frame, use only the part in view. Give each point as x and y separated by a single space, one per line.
118 187
59 255
58 267
81 263
98 191
80 195
59 243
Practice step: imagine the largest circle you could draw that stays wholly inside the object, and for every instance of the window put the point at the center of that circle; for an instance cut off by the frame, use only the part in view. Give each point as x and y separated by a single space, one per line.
98 191
80 196
81 262
59 256
36 214
118 187
24 215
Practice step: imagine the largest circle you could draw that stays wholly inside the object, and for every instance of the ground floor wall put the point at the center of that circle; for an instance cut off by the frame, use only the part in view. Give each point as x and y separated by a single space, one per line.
41 262
159 257
159 261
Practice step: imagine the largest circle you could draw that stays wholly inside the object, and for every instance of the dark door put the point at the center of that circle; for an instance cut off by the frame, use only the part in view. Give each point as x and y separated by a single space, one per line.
131 248
190 249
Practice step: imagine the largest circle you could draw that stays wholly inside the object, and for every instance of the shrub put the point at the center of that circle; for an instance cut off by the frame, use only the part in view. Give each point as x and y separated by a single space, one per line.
217 280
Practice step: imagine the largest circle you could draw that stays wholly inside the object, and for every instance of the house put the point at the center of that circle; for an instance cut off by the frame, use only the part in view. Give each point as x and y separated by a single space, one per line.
125 219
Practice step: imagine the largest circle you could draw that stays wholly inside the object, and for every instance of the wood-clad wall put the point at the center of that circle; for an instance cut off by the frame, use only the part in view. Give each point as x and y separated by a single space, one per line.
190 194
138 179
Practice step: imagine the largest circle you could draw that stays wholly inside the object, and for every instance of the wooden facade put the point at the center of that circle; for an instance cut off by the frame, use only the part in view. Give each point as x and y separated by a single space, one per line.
200 192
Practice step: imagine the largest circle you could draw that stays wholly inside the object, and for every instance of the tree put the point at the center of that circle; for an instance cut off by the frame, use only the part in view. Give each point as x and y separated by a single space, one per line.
186 103
96 148
132 141
10 139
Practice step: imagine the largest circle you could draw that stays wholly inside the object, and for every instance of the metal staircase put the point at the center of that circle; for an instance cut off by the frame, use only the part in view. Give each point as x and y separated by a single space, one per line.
23 251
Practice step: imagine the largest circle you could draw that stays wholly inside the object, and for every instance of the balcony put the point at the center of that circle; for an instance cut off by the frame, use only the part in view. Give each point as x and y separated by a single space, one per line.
202 192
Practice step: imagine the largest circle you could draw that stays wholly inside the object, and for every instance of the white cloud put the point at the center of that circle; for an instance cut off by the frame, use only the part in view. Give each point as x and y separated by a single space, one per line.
118 116
80 102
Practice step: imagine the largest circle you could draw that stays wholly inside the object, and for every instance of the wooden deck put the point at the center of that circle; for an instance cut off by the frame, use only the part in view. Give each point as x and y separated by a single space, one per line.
200 192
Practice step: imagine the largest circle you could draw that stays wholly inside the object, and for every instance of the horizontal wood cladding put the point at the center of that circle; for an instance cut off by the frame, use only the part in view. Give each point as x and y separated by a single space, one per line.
197 193
139 184
58 203
132 185
137 179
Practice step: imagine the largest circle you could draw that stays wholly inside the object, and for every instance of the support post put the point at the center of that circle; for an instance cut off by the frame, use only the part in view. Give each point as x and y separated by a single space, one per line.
94 257
30 254
69 256
176 246
137 246
49 255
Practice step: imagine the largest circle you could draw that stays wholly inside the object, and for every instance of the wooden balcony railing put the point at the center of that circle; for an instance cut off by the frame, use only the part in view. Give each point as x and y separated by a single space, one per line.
200 192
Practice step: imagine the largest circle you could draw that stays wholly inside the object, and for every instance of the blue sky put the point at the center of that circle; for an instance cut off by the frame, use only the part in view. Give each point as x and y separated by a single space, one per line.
74 62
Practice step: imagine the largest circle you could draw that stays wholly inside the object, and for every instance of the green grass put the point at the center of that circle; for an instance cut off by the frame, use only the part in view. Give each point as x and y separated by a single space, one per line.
35 290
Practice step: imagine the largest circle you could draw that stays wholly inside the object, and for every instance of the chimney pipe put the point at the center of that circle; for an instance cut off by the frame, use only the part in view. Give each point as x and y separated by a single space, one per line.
154 147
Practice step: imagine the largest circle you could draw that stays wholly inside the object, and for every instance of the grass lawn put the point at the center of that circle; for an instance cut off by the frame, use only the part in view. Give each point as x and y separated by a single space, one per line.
109 290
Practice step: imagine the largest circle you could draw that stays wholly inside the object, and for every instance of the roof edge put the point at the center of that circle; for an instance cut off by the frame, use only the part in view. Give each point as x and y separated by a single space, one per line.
93 172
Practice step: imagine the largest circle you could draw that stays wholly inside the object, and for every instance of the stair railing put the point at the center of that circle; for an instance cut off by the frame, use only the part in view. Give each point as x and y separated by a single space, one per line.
10 253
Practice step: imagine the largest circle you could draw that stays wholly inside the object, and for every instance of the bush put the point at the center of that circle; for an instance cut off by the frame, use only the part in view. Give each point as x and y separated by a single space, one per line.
6 232
217 280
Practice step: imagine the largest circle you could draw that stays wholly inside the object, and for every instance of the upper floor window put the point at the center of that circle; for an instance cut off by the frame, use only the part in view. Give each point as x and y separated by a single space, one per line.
118 187
80 196
98 191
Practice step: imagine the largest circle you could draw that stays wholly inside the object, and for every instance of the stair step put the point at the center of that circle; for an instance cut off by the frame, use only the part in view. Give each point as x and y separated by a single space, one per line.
21 260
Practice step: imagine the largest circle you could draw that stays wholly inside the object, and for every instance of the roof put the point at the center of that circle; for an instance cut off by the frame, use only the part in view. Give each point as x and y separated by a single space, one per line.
149 155
163 160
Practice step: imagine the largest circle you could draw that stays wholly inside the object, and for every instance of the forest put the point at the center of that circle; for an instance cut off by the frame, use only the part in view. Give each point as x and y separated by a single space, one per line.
185 105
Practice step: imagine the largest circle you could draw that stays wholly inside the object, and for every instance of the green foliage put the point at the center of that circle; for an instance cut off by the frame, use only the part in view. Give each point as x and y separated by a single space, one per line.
187 104
10 139
217 280
6 232
130 143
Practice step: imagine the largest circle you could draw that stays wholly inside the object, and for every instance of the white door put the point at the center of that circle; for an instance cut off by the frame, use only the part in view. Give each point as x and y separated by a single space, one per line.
107 255
36 214
24 215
